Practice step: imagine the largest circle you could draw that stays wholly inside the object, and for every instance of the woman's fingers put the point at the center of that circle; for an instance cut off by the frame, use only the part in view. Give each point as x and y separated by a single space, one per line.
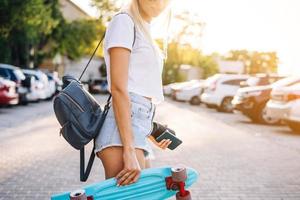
136 177
125 177
165 143
121 173
162 142
128 178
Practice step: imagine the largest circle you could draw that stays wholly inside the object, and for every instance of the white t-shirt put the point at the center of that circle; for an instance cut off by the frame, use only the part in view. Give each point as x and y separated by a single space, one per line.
145 64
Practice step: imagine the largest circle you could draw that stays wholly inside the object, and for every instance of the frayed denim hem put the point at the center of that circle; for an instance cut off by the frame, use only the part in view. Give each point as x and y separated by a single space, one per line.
148 155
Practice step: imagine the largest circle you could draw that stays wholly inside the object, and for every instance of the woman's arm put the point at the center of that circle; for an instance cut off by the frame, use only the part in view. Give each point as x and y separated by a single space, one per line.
119 61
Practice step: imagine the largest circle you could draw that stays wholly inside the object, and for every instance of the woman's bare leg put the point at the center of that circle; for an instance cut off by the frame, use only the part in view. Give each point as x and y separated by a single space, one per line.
147 163
112 160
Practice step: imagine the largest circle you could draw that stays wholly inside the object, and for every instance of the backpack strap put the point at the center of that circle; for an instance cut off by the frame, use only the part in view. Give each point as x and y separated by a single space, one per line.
84 173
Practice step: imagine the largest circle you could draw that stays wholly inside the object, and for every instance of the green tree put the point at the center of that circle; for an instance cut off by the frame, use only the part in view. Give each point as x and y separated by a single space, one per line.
23 22
185 54
255 62
184 48
32 30
107 8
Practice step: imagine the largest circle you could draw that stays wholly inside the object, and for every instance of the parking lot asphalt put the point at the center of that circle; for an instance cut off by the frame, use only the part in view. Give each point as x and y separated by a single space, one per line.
235 158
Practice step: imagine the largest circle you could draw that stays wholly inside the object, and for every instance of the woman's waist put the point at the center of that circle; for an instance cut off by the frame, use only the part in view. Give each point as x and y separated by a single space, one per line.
140 99
149 98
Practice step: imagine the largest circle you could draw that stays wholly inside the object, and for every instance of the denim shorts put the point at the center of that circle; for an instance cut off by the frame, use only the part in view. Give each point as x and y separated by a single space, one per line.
142 113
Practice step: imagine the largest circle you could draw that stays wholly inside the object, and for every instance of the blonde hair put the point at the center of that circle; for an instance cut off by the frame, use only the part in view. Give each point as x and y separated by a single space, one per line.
134 11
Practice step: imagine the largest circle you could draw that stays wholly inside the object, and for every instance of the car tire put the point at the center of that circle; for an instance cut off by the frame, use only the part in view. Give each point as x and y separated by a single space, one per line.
226 105
195 100
261 117
23 100
173 96
294 126
210 106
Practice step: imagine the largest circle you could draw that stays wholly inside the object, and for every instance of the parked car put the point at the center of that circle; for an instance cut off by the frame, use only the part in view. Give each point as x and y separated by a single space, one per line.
42 84
176 87
292 117
281 99
251 101
8 92
169 88
221 90
52 85
97 86
191 93
261 79
34 90
53 76
15 74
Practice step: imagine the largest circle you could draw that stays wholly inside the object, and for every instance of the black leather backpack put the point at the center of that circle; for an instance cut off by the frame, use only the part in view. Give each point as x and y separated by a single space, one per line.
80 115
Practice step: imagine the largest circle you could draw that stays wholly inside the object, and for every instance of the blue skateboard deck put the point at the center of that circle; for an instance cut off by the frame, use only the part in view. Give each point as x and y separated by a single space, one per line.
150 186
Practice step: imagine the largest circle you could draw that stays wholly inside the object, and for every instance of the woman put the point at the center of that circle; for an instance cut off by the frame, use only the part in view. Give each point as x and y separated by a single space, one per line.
134 66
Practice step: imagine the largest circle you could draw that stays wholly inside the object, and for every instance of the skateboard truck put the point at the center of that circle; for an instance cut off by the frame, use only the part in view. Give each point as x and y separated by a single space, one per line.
177 182
80 195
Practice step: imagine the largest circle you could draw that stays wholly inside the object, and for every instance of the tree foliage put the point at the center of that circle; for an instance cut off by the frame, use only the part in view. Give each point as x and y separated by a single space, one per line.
32 30
255 62
179 54
106 8
184 48
189 28
23 22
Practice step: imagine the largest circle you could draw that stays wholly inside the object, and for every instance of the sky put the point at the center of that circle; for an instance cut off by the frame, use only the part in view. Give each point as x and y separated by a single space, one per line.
258 25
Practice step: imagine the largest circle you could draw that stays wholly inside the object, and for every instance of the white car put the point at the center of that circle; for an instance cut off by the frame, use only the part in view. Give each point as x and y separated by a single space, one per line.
191 93
167 89
292 117
42 84
52 85
221 89
33 93
173 87
281 101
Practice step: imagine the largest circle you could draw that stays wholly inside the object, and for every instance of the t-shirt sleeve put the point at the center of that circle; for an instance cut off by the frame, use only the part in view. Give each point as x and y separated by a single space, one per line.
120 32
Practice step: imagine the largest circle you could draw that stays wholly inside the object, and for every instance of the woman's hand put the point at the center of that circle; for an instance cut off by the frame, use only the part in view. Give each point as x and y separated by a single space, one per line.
131 171
162 144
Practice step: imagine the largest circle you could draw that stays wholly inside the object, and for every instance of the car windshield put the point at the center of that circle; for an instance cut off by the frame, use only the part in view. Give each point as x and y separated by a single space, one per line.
50 77
212 79
286 81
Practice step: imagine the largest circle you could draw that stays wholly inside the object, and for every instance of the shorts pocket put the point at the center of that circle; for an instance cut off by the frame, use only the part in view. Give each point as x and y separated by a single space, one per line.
141 126
140 111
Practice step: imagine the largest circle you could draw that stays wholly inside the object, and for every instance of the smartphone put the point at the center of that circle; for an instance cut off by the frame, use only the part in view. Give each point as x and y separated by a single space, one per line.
168 135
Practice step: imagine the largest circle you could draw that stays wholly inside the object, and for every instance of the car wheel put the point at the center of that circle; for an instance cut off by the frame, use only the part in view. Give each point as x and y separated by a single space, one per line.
261 116
226 105
210 106
173 96
23 100
195 100
294 126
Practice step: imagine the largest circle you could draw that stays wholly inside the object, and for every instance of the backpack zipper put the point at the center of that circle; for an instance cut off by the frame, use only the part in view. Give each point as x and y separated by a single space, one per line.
72 100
